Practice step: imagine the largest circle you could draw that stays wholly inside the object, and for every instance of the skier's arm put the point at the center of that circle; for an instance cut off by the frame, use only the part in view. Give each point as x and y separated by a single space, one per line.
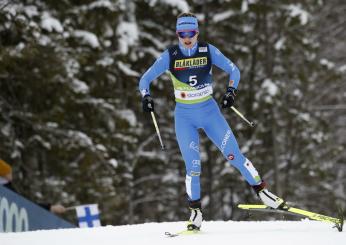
159 67
225 64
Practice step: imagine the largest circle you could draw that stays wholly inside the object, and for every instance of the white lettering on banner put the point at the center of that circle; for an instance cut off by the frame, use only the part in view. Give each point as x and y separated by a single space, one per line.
195 94
10 215
225 140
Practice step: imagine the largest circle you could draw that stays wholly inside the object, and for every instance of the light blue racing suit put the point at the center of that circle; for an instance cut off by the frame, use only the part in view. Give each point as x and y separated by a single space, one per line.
191 73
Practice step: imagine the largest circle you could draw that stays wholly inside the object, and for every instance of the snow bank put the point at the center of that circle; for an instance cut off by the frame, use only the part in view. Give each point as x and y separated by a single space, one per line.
231 232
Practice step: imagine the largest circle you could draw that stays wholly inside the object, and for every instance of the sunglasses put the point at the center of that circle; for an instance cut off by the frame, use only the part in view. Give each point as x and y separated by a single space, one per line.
189 34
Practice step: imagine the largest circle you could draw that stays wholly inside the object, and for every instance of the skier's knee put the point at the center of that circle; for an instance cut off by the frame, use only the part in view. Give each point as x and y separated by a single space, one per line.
235 158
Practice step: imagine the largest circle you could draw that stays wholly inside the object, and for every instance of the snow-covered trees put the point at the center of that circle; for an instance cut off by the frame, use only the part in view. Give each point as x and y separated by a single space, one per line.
71 116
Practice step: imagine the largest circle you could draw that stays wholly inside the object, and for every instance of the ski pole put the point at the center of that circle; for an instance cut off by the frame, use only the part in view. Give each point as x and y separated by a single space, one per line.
157 130
252 124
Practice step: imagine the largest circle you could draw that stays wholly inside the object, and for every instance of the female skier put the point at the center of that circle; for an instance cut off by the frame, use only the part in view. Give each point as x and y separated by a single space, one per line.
189 64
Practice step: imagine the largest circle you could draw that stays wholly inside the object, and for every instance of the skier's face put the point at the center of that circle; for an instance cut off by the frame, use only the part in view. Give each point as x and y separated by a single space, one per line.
188 38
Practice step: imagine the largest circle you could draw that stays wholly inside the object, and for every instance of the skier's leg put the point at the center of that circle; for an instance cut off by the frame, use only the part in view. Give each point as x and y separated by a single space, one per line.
218 130
221 134
188 141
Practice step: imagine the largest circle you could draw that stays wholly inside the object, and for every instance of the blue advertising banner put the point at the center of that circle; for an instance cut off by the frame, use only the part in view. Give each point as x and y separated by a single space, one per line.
19 214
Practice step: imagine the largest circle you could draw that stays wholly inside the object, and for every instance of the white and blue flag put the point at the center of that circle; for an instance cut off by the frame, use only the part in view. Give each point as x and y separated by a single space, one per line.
88 215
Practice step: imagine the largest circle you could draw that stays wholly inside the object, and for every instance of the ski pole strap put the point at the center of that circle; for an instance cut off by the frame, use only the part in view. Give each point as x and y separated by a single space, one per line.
157 130
252 124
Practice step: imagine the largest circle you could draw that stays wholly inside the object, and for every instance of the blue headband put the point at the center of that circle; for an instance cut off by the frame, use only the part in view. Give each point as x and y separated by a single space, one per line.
187 24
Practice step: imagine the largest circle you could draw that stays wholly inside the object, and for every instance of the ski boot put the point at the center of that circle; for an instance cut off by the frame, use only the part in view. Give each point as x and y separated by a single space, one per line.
196 217
267 197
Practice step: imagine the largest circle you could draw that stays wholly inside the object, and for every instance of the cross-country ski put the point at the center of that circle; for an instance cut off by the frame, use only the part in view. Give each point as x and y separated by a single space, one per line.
286 209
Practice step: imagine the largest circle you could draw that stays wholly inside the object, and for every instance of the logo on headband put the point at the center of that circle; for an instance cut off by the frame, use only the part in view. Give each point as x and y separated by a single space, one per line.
186 23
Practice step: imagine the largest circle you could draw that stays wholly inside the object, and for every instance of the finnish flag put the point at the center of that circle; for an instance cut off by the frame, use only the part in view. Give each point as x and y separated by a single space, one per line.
88 215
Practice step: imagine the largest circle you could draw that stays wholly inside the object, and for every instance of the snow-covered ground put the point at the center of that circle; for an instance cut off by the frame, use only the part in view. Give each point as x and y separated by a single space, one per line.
213 232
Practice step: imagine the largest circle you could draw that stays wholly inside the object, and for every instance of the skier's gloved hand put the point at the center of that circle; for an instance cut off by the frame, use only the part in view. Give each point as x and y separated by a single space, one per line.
148 103
229 97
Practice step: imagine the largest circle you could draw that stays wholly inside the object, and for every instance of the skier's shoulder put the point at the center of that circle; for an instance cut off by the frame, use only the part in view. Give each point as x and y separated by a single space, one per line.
215 52
172 48
164 56
212 48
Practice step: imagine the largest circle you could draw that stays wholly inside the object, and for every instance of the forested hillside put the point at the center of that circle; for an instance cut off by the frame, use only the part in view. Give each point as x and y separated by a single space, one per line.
72 126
